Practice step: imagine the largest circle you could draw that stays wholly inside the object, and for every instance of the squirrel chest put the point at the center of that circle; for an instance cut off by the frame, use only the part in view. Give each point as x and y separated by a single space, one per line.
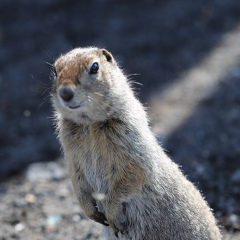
88 154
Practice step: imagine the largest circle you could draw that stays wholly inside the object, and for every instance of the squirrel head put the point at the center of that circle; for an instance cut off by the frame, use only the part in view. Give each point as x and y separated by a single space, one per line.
85 85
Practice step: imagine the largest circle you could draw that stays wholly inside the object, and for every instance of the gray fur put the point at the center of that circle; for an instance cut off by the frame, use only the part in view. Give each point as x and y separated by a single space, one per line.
115 161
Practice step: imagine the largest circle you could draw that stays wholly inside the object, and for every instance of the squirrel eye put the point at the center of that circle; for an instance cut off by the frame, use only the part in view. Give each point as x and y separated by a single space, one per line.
94 68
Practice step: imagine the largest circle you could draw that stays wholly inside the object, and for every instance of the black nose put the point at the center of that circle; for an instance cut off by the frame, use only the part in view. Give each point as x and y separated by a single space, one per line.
66 93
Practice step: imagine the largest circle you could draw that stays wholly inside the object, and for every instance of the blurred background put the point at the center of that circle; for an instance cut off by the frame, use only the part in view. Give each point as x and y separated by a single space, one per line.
184 59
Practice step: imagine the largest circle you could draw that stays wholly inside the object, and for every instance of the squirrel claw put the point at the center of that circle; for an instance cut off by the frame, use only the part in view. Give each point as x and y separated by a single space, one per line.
116 233
118 229
100 218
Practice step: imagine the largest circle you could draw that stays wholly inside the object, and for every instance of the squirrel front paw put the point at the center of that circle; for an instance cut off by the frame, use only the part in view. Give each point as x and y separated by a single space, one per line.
117 221
99 217
118 227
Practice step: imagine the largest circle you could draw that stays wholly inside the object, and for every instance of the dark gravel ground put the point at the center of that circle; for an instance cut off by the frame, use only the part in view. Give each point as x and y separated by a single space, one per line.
160 40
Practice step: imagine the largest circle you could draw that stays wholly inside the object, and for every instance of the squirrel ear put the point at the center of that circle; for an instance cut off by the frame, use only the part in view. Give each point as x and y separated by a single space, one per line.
108 55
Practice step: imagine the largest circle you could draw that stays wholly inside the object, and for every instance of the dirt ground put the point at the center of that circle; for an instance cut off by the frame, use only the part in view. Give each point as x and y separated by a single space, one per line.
40 204
184 60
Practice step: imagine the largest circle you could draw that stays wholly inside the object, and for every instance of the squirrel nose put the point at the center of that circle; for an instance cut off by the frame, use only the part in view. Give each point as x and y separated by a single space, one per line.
66 93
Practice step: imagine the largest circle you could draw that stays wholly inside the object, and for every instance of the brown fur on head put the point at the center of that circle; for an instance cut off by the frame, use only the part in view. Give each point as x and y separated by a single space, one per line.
82 85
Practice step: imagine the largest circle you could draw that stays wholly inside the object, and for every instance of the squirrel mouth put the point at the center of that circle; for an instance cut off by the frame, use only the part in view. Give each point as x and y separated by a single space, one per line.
73 106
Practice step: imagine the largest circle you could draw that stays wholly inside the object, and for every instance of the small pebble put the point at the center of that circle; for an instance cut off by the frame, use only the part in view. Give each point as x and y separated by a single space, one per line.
30 198
19 227
76 218
54 220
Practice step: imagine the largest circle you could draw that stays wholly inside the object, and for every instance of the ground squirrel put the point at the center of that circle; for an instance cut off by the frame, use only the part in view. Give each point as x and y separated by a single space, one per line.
121 176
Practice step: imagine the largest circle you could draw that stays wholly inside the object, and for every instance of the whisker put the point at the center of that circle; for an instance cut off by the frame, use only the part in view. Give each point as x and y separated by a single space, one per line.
133 74
46 90
51 117
138 83
101 102
99 94
131 80
35 79
50 64
44 101
35 90
48 55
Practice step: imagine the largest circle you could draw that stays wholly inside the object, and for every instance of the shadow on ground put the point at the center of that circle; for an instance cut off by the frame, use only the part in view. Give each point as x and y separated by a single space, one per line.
208 147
